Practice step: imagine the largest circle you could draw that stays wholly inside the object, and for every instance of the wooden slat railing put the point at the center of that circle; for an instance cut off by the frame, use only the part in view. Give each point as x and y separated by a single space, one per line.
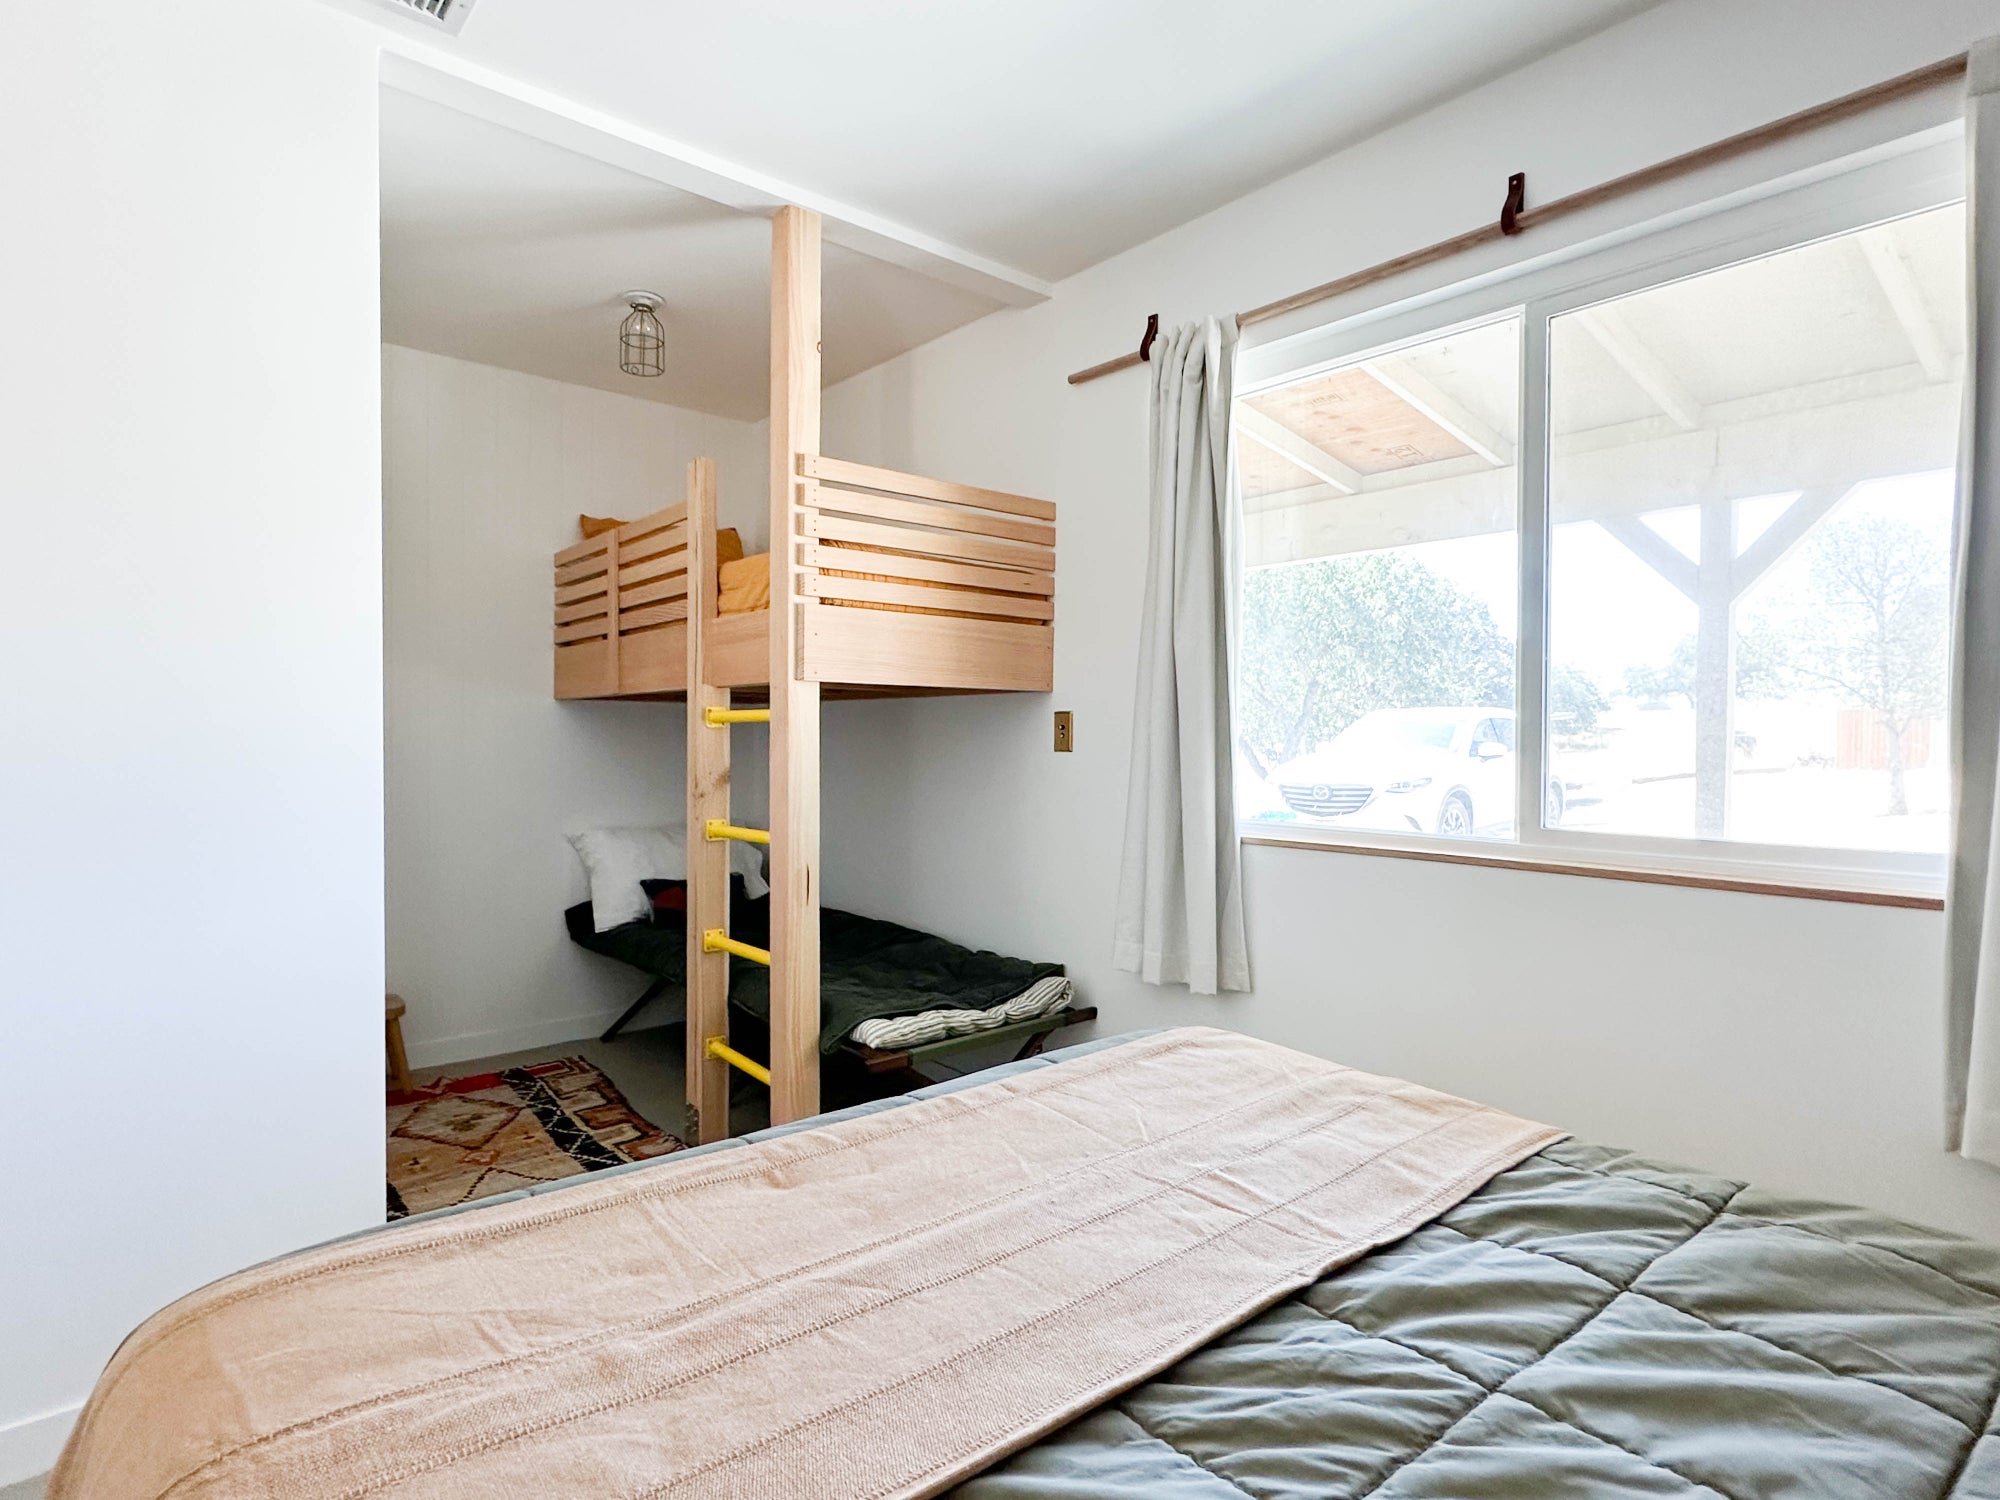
964 576
613 587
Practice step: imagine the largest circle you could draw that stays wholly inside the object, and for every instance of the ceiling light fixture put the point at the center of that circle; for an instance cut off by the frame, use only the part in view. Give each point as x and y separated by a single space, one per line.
642 342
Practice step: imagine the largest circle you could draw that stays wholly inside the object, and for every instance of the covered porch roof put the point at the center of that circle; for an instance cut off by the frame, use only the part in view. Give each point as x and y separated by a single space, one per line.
1815 369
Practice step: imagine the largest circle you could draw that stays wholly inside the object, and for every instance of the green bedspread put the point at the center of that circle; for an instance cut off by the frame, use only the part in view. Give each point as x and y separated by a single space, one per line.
868 968
1587 1326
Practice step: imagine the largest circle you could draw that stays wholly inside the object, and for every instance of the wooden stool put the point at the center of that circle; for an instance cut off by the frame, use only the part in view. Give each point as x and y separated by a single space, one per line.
399 1060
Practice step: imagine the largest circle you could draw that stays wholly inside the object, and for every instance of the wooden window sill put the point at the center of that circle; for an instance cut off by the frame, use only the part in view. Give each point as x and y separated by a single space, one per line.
1535 866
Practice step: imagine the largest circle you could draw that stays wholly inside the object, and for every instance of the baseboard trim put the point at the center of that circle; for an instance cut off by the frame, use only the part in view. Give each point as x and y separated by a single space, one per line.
442 1052
29 1447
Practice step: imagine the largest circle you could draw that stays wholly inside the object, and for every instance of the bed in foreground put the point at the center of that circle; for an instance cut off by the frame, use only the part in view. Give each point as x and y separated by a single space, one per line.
1182 1265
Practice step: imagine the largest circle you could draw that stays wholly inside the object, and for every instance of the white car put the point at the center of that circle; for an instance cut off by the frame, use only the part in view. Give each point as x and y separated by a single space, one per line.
1446 771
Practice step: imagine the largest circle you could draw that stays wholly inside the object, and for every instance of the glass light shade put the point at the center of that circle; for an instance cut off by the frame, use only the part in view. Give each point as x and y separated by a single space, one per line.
642 342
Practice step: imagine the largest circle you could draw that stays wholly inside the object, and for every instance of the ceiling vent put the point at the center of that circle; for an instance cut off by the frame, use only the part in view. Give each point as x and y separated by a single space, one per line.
446 15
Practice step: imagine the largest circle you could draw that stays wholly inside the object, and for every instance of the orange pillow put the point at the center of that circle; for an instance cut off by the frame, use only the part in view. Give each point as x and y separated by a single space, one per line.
597 525
744 585
728 545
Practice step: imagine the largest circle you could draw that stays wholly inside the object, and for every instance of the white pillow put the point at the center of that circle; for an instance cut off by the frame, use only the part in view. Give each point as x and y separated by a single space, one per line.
618 859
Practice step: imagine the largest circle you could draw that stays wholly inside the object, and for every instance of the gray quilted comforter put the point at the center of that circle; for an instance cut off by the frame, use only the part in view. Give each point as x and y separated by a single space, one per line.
1589 1325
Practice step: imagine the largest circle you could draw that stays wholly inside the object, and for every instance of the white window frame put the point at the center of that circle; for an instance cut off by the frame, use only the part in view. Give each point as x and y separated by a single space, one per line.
1923 174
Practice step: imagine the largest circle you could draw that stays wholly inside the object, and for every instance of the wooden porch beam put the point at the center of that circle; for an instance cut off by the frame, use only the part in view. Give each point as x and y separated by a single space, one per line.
1662 387
1829 444
1402 379
1777 540
1296 449
1655 551
1891 269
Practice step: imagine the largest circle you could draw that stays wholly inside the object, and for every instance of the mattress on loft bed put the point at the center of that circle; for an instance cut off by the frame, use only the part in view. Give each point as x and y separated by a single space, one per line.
1586 1325
744 587
870 970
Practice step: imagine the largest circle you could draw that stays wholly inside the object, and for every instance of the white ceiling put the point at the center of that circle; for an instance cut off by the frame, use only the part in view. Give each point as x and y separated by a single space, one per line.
512 252
964 153
1044 134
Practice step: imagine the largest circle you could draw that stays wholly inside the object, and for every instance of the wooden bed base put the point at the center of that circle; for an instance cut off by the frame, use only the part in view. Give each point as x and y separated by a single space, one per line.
883 584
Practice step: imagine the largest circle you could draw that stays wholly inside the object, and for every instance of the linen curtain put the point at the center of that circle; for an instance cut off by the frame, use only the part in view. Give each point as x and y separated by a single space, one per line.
1972 901
1180 889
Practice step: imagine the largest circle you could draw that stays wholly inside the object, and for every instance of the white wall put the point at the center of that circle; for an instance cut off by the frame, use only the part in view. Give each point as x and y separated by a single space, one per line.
484 472
190 601
1790 1041
190 666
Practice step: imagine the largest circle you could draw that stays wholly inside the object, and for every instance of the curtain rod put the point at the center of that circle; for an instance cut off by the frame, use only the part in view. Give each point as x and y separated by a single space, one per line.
1515 217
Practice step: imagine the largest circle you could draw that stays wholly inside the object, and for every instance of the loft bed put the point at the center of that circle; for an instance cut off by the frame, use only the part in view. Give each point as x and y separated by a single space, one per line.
903 586
878 584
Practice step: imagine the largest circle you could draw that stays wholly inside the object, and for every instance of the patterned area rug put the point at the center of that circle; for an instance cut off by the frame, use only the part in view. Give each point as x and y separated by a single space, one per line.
464 1138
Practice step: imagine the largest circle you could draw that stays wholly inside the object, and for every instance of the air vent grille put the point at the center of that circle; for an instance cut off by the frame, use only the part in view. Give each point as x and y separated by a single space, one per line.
448 15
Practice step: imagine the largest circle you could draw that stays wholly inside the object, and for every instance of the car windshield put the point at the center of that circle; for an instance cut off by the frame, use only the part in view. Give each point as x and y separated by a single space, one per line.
1386 733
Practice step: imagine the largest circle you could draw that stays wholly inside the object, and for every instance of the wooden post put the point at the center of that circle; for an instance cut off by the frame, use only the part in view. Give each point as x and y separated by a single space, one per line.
795 377
707 797
1714 669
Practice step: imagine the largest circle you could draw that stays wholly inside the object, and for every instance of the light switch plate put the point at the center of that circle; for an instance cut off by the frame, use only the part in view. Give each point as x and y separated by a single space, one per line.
1065 732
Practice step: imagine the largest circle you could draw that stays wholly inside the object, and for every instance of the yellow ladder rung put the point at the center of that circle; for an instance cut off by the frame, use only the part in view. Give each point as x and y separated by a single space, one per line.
715 940
719 829
722 1051
717 717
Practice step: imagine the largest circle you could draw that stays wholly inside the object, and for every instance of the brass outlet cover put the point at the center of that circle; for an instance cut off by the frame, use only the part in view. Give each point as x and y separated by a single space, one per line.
1065 732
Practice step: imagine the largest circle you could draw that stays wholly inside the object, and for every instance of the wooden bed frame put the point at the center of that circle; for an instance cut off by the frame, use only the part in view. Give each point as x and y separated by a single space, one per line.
882 585
956 586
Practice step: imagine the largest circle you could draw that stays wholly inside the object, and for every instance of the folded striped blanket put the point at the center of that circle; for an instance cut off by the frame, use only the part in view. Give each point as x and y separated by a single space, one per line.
1042 998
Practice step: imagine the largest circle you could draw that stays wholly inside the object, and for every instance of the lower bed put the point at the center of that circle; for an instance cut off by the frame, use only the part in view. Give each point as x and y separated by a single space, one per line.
1586 1324
881 985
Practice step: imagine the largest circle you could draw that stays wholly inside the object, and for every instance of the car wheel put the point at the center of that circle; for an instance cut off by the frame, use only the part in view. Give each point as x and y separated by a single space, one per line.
1552 811
1455 817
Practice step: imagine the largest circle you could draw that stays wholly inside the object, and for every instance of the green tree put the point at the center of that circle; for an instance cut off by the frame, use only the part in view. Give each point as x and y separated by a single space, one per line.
1673 679
1761 670
1868 620
1325 642
1575 700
